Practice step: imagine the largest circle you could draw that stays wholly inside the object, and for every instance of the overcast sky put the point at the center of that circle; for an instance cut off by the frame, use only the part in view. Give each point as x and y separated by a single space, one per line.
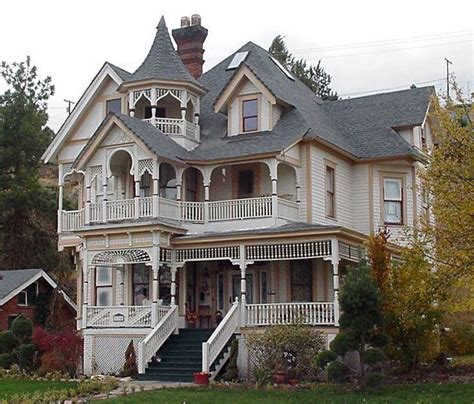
367 46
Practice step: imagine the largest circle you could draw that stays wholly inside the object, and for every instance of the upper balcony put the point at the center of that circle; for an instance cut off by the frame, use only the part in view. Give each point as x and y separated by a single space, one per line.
217 198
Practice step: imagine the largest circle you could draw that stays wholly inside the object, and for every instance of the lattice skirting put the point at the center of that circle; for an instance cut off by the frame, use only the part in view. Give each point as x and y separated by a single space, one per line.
105 354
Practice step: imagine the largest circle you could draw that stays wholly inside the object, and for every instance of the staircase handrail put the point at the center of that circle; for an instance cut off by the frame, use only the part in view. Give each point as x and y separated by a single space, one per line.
219 338
157 337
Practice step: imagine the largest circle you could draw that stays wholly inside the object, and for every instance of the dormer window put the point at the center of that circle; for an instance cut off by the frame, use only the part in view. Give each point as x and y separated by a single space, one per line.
250 115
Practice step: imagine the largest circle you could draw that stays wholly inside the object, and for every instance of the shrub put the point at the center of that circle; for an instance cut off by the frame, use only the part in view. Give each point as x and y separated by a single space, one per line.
374 355
338 372
343 343
290 348
26 356
130 366
8 342
458 339
324 358
59 351
22 328
375 379
6 360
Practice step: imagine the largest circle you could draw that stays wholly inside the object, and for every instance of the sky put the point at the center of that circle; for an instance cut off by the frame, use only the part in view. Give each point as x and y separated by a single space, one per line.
367 46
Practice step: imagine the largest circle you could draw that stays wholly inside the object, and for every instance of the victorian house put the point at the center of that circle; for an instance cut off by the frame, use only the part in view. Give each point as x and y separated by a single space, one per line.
209 204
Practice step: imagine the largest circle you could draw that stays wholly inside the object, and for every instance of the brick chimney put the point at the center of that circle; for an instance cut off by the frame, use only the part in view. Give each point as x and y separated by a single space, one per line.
190 39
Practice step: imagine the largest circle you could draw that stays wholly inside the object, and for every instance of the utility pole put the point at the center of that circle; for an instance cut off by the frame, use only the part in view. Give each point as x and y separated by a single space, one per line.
448 62
68 108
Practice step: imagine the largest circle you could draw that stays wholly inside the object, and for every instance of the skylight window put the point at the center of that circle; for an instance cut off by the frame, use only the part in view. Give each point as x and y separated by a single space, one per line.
238 58
282 68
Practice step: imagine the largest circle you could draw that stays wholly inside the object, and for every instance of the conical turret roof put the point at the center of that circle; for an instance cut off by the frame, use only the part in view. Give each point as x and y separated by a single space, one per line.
162 61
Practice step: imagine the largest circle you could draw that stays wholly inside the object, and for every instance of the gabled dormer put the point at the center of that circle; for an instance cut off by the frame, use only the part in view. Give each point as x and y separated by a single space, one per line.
163 92
247 101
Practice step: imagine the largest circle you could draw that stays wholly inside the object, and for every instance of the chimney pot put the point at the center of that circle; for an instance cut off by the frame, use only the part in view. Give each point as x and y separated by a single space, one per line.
185 22
195 19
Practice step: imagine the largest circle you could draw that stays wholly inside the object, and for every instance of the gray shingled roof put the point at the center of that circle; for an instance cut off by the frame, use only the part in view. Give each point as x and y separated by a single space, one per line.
362 127
162 61
123 74
10 280
285 228
154 139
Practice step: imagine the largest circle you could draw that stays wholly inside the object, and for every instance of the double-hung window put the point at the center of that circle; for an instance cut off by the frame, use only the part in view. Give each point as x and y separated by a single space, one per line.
250 115
393 200
330 192
103 286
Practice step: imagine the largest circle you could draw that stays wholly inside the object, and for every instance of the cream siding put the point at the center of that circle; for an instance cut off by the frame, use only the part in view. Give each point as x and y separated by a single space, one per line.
343 188
360 198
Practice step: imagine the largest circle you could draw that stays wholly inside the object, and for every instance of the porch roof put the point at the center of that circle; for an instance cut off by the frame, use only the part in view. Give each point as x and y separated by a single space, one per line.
292 227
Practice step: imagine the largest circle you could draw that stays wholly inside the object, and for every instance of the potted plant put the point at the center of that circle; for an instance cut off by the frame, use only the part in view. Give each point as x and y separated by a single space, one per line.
279 377
202 378
293 376
191 318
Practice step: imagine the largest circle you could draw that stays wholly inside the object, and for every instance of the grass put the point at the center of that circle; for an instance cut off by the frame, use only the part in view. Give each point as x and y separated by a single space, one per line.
10 387
415 393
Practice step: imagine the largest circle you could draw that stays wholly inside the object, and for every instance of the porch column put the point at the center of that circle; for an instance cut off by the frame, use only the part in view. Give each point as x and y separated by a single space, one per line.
86 292
174 269
154 296
87 210
156 188
137 197
335 278
243 293
121 271
104 198
178 190
273 166
60 207
206 176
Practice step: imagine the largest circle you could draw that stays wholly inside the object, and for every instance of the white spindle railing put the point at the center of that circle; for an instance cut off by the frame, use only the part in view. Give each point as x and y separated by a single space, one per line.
185 211
233 209
288 209
220 337
121 209
72 219
157 337
192 211
287 313
118 316
145 206
95 212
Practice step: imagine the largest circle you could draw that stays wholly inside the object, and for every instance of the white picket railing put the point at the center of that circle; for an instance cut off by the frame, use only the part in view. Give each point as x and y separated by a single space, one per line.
247 208
157 337
288 209
192 211
95 212
220 337
183 211
314 313
72 219
145 206
121 209
118 316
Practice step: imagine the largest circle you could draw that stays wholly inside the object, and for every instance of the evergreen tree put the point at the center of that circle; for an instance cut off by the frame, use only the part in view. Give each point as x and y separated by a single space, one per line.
314 77
27 209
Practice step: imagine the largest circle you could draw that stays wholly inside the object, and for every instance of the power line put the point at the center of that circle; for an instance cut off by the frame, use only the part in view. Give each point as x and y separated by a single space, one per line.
389 50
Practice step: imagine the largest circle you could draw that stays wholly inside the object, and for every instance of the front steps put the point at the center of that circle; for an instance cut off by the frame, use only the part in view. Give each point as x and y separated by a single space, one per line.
179 357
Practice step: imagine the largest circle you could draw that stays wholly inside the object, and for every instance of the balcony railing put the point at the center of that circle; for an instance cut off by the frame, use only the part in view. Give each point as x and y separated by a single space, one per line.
181 211
320 313
173 126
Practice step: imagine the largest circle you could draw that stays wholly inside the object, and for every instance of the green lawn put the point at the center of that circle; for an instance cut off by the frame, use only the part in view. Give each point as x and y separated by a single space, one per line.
415 393
10 387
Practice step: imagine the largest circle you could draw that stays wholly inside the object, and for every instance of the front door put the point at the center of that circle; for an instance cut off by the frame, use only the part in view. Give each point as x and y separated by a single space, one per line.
248 287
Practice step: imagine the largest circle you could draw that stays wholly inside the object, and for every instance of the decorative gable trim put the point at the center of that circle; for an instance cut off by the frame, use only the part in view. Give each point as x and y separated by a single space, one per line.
232 87
81 106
